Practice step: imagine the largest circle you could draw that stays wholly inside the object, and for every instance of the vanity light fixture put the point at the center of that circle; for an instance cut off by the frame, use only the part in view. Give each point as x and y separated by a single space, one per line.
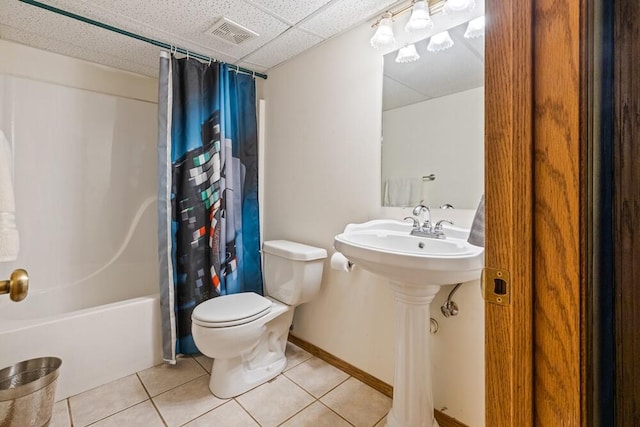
475 28
454 6
383 36
407 54
420 18
439 42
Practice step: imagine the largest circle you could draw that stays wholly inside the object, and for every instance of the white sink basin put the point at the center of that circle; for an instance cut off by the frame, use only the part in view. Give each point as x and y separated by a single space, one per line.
387 248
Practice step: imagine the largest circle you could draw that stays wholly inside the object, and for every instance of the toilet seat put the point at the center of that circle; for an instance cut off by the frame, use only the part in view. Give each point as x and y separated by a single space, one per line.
231 310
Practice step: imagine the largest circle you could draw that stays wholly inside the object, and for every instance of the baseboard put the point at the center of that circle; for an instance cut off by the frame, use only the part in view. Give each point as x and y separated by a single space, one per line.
446 421
359 374
443 419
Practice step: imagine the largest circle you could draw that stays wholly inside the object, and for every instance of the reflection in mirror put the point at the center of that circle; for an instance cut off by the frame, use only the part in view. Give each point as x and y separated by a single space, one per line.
433 125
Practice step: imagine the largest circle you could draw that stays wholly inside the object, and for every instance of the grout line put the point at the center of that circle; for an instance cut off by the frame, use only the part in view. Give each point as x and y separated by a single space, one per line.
151 400
143 386
378 422
323 394
208 371
245 409
302 409
69 412
115 413
180 385
110 415
336 386
346 420
208 412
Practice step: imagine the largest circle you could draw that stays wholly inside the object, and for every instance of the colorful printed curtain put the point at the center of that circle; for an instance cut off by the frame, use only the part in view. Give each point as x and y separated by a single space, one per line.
208 221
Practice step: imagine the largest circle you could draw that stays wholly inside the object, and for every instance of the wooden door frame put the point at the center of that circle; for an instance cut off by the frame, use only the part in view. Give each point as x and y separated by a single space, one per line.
536 99
509 208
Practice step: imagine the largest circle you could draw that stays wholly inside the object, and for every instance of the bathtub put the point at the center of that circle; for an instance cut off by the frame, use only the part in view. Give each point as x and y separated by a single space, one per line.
114 335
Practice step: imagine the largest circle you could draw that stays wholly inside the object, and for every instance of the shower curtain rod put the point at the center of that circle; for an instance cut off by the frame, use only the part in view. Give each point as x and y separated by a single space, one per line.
158 43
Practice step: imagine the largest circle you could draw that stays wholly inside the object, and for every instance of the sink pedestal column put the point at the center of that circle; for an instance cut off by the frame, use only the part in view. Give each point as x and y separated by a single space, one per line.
412 392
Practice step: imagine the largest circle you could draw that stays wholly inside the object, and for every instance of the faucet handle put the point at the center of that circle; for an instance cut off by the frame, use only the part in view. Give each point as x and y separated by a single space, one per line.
439 227
416 223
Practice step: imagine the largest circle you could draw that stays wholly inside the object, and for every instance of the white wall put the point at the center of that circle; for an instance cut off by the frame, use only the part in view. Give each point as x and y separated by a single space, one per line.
322 172
442 136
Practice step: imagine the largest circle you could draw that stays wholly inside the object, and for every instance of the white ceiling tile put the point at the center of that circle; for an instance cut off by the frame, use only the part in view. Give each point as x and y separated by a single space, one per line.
344 14
146 59
291 11
284 47
254 67
185 22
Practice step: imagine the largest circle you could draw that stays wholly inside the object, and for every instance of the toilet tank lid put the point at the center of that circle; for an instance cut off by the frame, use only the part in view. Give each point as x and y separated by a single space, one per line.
294 251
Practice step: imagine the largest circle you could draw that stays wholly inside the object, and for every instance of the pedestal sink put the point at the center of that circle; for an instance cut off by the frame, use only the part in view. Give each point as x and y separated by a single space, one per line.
416 268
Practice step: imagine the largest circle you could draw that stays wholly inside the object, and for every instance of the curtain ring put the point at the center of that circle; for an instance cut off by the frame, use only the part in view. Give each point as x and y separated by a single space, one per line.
209 61
187 54
254 75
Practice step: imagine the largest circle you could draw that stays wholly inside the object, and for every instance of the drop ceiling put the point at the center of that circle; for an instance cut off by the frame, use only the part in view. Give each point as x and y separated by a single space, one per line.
285 28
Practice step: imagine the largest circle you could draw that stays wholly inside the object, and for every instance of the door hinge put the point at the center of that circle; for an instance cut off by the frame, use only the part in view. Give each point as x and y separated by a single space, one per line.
496 285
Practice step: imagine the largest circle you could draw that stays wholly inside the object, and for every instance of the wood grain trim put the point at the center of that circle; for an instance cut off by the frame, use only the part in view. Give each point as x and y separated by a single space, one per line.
509 210
626 206
559 201
384 388
446 421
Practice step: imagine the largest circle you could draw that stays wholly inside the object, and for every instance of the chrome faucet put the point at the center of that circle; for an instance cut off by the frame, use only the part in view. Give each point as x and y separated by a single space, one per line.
426 229
426 218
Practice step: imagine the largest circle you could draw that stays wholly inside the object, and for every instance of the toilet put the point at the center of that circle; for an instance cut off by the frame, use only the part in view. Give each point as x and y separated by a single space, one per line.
246 333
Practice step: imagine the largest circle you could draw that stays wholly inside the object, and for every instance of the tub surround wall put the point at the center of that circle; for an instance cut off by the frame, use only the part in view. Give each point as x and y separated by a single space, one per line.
85 185
84 170
322 172
35 64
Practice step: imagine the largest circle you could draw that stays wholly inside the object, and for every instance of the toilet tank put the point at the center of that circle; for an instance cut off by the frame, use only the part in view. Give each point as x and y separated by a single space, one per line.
292 271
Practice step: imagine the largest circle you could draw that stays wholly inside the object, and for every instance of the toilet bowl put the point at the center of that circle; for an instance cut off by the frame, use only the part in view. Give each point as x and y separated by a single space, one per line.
246 334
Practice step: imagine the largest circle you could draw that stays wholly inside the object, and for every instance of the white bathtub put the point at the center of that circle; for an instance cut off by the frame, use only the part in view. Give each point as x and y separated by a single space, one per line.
116 336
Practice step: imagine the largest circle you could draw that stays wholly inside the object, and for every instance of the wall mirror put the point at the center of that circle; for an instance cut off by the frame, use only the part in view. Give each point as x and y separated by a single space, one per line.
433 125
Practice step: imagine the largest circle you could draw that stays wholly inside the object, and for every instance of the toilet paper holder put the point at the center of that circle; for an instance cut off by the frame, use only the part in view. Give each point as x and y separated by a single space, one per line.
341 263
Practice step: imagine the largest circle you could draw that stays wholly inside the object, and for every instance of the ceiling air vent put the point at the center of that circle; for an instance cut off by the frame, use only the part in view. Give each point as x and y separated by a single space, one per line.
227 30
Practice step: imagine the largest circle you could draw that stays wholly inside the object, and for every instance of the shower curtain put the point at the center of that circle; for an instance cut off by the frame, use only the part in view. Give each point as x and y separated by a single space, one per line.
208 221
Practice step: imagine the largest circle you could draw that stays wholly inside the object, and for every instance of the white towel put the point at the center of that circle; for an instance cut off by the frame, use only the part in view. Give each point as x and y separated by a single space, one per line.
9 238
402 191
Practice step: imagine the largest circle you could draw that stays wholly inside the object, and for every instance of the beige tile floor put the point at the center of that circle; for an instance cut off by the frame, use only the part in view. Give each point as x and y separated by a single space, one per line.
309 392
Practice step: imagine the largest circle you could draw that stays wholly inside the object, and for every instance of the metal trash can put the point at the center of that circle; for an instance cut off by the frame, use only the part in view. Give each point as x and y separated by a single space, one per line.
27 391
